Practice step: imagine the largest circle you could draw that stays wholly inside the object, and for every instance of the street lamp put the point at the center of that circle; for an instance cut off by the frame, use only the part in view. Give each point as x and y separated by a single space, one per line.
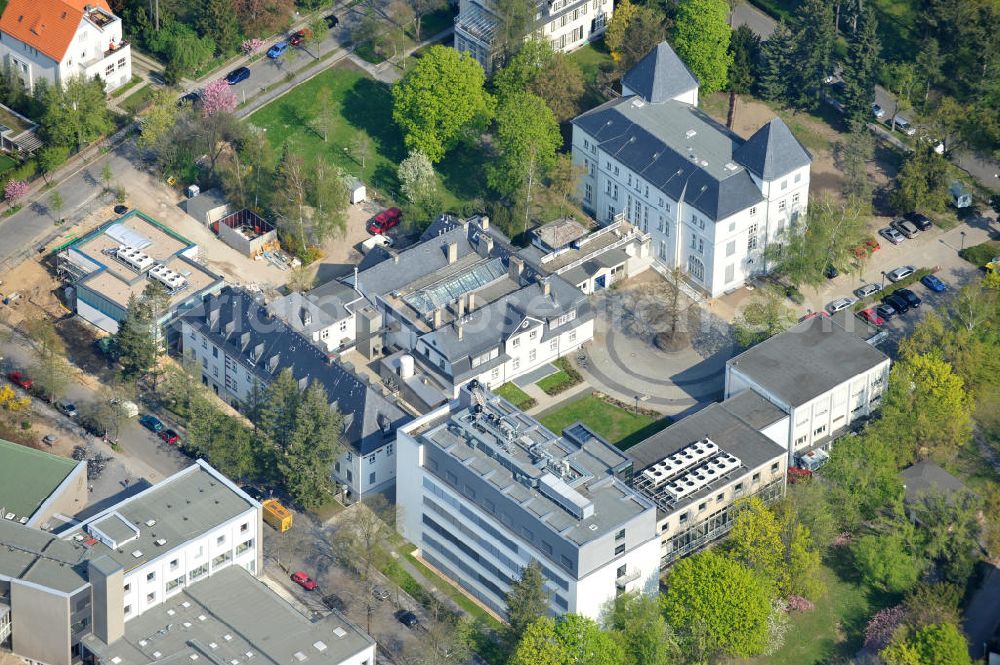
962 233
636 405
883 280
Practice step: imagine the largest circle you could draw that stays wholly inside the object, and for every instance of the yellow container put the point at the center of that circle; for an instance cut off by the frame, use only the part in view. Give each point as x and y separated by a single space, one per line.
277 515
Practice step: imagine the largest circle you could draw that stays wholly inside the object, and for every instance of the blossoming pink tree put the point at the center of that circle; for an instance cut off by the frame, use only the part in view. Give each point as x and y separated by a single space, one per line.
218 98
14 191
880 628
252 45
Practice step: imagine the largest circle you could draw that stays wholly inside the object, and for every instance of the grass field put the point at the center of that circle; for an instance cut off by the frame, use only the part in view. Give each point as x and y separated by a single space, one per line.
515 396
6 163
620 427
361 105
138 100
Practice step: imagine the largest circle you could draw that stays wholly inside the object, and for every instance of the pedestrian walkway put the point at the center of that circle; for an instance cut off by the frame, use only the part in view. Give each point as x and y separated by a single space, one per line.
388 71
544 401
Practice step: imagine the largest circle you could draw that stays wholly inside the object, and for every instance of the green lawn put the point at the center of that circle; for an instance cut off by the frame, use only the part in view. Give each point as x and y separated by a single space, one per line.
834 631
515 396
360 105
138 100
436 22
592 58
565 378
620 427
6 163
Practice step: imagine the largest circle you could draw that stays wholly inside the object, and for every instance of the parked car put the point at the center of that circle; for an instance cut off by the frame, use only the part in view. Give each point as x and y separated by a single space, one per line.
152 423
813 315
300 37
911 298
899 273
191 98
68 409
878 111
170 437
840 304
886 311
237 75
407 618
380 593
922 222
277 50
892 235
303 580
385 220
903 125
867 290
831 272
331 20
20 379
994 265
121 209
897 302
49 439
907 228
335 602
869 315
934 283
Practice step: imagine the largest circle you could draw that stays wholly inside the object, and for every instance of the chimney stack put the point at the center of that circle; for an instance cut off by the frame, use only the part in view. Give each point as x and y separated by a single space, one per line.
472 301
460 306
452 252
459 328
484 223
514 268
437 318
546 286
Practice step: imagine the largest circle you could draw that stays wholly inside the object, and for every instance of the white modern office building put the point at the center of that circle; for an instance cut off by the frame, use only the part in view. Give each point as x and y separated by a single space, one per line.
56 40
711 201
823 376
486 489
567 24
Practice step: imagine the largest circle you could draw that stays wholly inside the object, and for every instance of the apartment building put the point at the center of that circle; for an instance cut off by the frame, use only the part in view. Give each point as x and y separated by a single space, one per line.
566 24
711 201
486 489
161 575
56 40
823 376
241 347
699 468
464 306
325 315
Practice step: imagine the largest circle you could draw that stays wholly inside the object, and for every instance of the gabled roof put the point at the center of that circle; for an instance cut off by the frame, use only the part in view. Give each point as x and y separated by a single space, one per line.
660 75
927 479
773 151
47 25
244 328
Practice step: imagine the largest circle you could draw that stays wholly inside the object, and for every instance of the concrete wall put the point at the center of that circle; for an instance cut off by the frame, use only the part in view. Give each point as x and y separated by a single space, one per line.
68 499
40 621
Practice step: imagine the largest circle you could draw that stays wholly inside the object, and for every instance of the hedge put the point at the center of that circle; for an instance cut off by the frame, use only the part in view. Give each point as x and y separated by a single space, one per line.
892 287
981 254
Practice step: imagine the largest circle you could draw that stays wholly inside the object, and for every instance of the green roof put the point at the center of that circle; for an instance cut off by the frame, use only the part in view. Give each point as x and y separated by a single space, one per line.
28 477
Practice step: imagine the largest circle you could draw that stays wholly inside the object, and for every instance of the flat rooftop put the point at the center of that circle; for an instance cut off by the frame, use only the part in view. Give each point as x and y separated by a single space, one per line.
568 482
92 257
185 506
27 478
697 454
231 618
593 247
41 558
807 360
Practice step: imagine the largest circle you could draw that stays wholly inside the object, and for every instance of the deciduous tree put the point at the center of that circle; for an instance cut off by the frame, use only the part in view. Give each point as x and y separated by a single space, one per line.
764 316
646 28
614 36
218 97
439 99
887 561
939 644
640 630
418 181
702 41
527 601
76 114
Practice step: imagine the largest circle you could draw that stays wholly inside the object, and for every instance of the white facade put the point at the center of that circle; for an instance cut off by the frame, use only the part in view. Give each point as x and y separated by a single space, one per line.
716 254
481 552
817 420
97 49
567 24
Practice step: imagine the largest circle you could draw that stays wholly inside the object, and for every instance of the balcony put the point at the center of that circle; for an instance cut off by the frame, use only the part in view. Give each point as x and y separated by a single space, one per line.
115 48
624 580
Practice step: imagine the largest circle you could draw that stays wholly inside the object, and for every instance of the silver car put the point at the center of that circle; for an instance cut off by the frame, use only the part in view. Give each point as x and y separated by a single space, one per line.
907 228
867 290
840 304
899 273
892 235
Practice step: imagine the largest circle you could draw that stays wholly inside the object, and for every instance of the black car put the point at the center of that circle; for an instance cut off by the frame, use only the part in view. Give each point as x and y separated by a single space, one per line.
237 75
191 98
897 302
831 271
911 298
886 311
331 21
408 619
923 222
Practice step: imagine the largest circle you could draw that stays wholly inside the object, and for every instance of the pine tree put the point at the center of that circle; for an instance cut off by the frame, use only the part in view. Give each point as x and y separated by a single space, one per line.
136 339
777 54
217 20
814 43
860 71
527 601
744 47
313 445
277 412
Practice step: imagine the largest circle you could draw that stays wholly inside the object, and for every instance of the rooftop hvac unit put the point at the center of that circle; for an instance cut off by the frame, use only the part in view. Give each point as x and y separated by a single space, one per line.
683 459
171 279
134 258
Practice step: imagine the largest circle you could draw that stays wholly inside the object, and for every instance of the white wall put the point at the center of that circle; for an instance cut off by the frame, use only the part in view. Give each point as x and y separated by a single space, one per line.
591 595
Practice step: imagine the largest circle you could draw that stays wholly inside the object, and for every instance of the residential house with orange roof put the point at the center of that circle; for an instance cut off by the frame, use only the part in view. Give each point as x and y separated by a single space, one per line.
56 40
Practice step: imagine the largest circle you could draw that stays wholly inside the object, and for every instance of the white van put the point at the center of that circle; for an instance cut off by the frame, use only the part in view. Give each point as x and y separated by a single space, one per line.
377 240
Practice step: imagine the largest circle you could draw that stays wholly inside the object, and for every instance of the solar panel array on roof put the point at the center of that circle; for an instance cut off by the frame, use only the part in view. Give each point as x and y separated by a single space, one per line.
448 290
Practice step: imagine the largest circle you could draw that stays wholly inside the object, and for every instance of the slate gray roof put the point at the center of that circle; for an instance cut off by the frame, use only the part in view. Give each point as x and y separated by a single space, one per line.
773 151
660 75
325 305
243 324
928 479
656 141
807 360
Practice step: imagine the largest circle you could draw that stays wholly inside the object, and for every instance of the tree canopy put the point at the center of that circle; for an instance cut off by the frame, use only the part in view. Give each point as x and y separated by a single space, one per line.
701 40
527 601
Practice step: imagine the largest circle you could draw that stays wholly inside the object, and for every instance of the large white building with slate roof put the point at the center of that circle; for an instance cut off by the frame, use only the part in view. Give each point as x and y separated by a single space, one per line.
710 200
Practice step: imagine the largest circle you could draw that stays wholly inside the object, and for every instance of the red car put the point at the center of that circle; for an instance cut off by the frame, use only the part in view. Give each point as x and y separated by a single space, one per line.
300 36
385 220
304 580
170 437
21 380
871 316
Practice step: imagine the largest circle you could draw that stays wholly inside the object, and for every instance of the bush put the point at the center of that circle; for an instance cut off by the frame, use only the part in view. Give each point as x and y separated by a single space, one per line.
565 378
981 254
